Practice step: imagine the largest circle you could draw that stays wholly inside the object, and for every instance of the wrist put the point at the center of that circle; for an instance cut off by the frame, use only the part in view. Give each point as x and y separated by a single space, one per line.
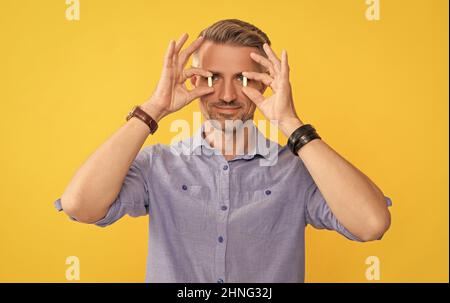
288 126
156 113
300 137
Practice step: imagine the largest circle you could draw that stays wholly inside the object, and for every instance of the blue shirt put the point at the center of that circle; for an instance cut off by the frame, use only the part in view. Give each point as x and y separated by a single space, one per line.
213 220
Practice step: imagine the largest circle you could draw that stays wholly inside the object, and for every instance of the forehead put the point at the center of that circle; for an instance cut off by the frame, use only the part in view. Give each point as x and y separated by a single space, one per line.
226 58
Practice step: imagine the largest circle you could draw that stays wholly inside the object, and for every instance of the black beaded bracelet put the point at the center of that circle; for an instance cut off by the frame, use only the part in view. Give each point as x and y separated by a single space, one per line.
301 136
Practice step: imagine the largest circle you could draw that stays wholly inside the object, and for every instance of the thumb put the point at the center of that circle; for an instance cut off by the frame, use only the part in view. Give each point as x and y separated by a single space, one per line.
253 94
199 92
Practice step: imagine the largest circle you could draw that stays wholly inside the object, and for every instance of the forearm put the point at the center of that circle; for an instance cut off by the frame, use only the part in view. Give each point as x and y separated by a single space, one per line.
358 204
98 181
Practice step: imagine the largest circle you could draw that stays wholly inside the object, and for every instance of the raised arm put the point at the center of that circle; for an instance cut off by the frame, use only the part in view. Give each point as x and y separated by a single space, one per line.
98 181
352 197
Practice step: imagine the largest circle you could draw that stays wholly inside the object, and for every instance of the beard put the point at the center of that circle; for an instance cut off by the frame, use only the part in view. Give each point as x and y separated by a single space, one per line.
239 113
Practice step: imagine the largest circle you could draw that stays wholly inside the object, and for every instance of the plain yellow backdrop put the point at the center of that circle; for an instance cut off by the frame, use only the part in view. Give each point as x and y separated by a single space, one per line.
376 91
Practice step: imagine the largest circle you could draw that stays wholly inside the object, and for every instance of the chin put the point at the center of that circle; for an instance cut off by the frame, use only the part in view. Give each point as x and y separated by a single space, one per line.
220 118
224 117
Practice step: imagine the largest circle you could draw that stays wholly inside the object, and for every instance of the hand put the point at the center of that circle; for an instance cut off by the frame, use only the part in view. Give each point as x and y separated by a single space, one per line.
280 105
171 93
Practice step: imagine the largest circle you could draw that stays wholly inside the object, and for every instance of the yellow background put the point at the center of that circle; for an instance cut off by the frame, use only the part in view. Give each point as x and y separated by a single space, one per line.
376 91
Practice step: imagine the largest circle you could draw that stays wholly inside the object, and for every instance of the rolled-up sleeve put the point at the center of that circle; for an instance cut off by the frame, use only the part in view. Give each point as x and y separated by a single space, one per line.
319 215
133 198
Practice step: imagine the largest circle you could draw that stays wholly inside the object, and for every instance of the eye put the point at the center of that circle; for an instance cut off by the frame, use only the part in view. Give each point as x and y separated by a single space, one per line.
211 80
214 77
243 79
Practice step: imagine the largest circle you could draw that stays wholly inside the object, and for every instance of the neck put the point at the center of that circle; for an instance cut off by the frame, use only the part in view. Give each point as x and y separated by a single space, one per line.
232 141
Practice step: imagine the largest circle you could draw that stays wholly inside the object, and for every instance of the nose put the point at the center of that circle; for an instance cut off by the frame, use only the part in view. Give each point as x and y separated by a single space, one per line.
228 92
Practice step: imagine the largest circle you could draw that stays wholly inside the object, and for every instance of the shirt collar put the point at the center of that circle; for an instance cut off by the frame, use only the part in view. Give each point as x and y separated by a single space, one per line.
260 145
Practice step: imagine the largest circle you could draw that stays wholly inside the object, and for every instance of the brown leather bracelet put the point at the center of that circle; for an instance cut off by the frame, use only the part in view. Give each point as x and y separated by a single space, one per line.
301 136
139 113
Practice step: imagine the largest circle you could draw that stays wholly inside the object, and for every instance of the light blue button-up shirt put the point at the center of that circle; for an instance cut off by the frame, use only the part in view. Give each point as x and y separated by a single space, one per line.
213 220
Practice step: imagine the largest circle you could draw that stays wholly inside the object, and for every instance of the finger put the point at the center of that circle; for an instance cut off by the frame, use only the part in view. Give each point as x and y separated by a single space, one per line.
253 94
284 65
270 53
195 71
175 59
184 55
263 77
181 42
169 54
264 62
199 92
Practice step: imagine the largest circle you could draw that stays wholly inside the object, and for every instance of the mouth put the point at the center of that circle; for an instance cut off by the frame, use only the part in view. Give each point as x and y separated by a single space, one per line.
227 109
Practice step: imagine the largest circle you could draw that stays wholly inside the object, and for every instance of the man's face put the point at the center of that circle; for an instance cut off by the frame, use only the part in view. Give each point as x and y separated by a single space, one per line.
226 62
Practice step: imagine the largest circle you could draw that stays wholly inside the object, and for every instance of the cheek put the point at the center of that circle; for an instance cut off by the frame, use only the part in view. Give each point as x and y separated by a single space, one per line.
251 107
246 100
205 100
205 103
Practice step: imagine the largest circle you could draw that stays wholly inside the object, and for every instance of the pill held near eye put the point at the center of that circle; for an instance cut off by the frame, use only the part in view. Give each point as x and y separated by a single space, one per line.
210 81
244 80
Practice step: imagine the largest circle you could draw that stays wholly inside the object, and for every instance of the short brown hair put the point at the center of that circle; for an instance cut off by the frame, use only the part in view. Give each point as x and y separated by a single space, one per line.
235 32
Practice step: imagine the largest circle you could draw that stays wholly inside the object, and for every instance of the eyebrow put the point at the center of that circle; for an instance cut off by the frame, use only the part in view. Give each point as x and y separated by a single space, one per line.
221 74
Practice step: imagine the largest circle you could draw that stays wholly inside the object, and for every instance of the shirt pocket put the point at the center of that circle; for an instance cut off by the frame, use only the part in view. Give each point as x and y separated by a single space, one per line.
267 212
189 208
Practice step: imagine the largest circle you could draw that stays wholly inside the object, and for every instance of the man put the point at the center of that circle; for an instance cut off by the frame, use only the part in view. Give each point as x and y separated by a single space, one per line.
219 215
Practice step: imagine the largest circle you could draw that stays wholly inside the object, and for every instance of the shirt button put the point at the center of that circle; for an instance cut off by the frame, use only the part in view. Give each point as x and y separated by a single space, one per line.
220 281
268 192
225 167
224 207
220 239
184 187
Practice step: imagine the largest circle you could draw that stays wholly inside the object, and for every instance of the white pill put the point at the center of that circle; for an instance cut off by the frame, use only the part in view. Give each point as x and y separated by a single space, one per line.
210 81
244 80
